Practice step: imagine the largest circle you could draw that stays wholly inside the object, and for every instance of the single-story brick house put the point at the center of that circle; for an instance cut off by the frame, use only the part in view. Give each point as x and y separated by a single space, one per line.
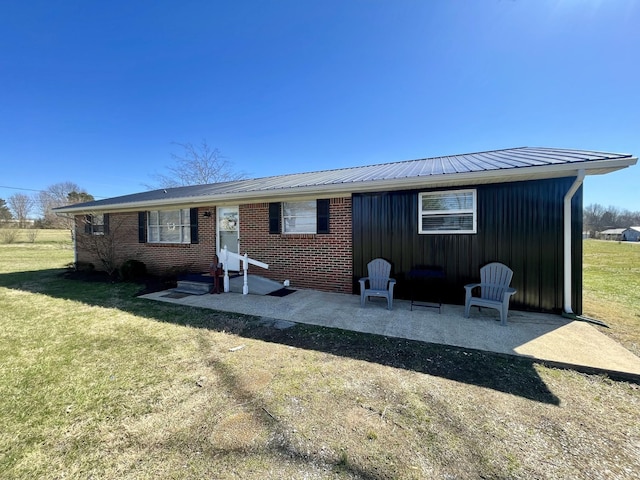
519 206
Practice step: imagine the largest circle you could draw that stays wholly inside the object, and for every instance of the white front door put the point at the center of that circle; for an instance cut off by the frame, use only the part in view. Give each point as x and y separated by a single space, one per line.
228 233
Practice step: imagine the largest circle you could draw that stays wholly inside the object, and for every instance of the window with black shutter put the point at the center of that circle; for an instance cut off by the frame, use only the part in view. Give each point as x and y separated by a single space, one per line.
168 226
300 217
142 227
274 217
322 207
193 214
96 224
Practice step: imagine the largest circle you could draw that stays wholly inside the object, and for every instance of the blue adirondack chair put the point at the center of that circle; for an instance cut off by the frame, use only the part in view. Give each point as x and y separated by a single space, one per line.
494 289
378 283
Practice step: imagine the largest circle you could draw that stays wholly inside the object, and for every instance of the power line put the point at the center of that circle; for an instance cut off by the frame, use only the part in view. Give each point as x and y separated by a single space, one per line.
32 190
19 188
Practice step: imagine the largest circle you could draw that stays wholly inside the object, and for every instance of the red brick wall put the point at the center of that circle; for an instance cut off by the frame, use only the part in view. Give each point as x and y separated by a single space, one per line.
159 258
321 262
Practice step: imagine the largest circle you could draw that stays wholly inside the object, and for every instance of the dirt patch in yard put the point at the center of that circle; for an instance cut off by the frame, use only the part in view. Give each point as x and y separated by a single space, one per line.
313 402
370 407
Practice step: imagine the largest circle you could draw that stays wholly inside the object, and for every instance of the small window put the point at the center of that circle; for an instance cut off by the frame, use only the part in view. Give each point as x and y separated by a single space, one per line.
169 226
447 212
95 224
299 217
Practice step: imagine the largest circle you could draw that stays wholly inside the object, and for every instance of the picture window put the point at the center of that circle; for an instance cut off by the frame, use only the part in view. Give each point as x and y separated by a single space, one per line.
169 226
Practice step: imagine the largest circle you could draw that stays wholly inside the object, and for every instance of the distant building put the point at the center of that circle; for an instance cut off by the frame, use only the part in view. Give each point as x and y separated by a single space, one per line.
611 234
26 223
631 234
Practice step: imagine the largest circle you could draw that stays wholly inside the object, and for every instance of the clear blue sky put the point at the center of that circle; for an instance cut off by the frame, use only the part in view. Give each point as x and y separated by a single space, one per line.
96 92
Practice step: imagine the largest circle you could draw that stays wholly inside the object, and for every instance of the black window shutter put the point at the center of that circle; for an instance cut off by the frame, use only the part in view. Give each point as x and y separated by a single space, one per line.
193 221
274 217
322 213
106 223
142 227
87 223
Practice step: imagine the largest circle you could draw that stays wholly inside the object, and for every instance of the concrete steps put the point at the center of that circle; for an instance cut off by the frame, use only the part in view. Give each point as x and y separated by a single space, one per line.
193 287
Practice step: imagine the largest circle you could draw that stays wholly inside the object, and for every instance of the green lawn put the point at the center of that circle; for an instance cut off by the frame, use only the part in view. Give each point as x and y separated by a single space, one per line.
96 383
612 288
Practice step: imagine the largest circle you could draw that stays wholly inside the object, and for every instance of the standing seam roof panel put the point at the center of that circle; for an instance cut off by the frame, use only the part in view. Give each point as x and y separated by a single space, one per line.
489 161
528 160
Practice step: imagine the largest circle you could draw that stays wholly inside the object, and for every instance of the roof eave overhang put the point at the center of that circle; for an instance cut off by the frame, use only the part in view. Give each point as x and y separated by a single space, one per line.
597 167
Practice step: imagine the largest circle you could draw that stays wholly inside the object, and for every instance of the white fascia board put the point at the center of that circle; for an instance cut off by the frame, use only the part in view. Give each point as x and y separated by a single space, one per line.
596 167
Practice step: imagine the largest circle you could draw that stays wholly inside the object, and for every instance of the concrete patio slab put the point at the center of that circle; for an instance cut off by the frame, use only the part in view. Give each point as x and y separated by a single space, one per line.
548 338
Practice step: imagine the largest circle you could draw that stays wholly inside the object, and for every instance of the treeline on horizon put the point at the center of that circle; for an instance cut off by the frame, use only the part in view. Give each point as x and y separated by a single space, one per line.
597 218
36 210
19 208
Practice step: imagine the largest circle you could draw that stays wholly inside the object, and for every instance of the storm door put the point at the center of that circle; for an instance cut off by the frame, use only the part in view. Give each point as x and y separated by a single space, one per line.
227 233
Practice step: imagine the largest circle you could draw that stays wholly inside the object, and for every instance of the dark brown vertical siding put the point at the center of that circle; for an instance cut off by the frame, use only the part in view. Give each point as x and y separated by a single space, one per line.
519 224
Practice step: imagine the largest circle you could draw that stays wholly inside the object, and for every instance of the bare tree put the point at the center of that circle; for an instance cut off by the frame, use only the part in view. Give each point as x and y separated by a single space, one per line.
21 206
8 234
32 234
629 219
197 165
611 217
592 218
56 195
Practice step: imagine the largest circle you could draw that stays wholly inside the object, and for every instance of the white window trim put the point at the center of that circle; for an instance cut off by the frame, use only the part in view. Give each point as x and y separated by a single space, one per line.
315 216
473 210
186 217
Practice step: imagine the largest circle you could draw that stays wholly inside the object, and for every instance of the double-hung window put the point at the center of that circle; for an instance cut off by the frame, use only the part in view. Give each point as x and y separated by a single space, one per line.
299 217
96 224
452 211
169 226
303 217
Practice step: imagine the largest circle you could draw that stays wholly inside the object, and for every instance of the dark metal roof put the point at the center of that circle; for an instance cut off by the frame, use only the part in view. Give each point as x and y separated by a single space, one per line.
428 170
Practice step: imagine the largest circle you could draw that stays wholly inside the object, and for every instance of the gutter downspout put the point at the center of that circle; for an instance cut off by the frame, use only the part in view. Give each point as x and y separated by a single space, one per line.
567 242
